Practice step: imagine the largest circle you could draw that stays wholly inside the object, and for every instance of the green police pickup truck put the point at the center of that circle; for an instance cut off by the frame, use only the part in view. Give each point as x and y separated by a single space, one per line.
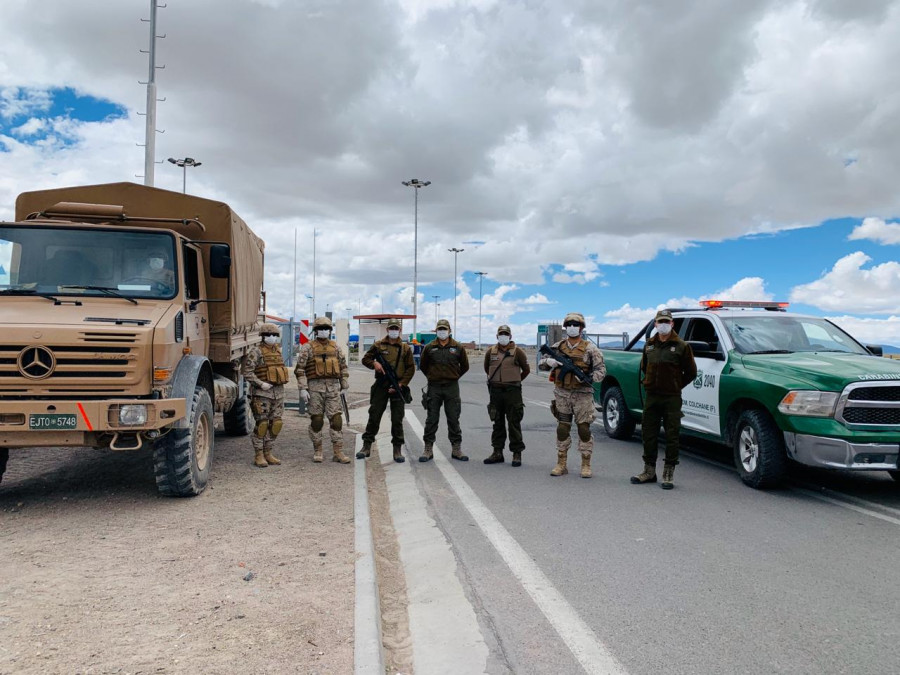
774 386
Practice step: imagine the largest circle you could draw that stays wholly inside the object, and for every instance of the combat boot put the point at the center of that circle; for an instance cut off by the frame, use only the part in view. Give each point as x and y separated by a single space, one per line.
270 458
427 453
456 453
496 457
317 452
586 466
560 469
398 454
648 475
338 454
366 450
260 460
517 459
668 477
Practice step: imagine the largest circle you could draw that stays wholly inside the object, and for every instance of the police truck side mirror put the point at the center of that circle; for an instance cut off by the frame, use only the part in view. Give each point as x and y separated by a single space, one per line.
875 350
219 261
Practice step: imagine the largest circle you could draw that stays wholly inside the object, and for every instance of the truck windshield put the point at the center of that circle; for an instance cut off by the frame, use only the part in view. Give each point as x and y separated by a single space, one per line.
86 261
774 334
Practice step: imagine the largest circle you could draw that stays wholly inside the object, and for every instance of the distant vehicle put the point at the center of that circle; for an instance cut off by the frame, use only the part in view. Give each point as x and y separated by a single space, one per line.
775 386
124 318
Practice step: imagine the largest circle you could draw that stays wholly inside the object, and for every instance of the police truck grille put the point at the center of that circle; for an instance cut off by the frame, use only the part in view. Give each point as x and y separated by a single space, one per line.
870 404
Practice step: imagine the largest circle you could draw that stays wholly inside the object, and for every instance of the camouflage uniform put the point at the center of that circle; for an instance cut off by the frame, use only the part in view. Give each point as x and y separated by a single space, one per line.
322 371
574 400
265 365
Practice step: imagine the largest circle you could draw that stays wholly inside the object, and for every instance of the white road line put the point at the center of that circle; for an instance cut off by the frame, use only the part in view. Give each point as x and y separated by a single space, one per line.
540 403
442 622
593 656
846 505
850 498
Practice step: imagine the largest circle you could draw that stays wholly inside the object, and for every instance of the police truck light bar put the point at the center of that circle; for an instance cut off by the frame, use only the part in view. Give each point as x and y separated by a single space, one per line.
721 304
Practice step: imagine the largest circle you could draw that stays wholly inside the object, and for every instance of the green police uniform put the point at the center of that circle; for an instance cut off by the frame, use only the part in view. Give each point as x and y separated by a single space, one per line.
443 363
506 366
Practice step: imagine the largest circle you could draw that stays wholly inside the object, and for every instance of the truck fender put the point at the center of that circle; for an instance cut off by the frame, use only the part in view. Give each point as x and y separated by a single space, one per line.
192 371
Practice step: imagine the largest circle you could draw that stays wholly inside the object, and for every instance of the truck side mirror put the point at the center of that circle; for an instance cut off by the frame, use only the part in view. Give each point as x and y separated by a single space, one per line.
219 261
875 350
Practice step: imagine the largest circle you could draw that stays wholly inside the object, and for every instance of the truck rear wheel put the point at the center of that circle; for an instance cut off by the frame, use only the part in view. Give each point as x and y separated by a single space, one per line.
617 421
759 450
183 456
238 420
4 457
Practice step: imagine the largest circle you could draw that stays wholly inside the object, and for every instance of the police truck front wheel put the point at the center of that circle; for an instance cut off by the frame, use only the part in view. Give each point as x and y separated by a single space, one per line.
182 457
617 421
759 450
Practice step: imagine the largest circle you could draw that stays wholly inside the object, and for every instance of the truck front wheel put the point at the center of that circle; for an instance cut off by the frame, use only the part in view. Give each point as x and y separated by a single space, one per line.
183 457
617 421
759 450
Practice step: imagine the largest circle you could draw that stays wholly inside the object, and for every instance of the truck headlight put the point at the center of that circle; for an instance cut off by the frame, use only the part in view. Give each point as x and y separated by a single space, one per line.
809 403
132 415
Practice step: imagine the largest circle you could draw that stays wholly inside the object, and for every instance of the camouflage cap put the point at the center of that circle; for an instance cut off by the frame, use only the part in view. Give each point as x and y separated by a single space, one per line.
574 317
269 329
504 329
322 322
663 315
442 323
394 323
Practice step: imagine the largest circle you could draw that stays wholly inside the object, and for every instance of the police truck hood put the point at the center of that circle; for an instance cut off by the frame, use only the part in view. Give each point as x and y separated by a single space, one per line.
825 371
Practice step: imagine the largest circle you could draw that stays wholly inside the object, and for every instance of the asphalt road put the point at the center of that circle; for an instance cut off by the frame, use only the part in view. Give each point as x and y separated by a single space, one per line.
711 577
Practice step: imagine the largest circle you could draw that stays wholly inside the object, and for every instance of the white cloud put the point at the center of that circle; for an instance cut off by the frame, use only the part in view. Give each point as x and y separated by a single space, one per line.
875 229
847 287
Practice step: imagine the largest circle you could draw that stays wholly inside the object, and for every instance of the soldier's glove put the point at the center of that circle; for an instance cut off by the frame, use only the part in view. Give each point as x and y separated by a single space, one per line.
550 361
265 386
345 383
304 395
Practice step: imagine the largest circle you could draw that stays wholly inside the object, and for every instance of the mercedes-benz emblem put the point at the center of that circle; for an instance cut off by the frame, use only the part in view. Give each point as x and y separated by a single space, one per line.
36 363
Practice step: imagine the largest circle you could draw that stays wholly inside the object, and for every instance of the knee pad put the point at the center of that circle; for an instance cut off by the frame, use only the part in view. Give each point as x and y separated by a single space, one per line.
562 431
316 422
262 426
337 422
276 427
584 431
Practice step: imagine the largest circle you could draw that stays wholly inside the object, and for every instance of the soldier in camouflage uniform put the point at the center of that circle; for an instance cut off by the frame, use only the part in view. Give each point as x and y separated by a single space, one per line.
572 398
322 374
266 373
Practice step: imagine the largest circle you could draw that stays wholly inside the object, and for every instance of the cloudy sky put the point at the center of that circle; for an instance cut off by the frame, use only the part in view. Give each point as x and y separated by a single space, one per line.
602 156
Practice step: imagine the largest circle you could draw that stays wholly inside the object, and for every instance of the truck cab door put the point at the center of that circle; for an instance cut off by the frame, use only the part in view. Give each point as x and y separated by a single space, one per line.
700 399
196 315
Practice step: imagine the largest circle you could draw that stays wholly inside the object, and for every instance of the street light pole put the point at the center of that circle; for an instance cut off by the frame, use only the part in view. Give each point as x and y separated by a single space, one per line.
455 251
311 317
436 306
480 279
416 183
184 164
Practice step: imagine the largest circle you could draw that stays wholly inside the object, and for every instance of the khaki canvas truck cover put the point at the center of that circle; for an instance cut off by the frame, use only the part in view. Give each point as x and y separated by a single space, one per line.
238 317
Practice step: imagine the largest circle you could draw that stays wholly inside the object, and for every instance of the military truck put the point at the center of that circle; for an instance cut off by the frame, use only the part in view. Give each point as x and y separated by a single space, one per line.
773 385
125 312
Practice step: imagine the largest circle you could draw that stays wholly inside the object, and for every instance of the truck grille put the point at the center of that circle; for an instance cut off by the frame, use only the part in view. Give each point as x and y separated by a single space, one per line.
870 404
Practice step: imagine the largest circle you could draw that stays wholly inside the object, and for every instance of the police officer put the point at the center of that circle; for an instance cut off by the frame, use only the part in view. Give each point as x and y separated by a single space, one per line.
443 362
506 366
399 356
264 369
322 374
668 367
572 399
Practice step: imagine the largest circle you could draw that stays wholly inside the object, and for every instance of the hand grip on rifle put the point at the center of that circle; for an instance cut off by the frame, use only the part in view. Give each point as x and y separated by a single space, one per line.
566 365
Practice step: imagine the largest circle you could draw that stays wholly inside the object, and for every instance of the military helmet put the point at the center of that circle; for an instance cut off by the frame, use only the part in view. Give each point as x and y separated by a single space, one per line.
394 323
322 322
442 323
504 329
574 317
269 329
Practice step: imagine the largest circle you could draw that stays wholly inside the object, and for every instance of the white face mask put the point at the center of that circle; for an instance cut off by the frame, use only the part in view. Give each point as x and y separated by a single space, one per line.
664 328
443 334
503 340
573 331
393 334
156 263
323 333
271 339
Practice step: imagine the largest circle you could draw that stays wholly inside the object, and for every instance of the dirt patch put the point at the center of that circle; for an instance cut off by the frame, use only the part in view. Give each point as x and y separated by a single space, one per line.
101 575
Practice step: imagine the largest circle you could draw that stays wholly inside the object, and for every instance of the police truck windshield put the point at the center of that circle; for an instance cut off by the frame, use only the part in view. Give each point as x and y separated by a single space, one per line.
777 334
81 261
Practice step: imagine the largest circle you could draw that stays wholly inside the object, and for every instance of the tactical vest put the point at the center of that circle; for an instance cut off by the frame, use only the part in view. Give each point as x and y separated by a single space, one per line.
323 360
578 355
503 366
272 368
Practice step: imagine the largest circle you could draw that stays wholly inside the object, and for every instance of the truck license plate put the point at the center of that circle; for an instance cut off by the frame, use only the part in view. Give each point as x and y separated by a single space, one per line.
51 422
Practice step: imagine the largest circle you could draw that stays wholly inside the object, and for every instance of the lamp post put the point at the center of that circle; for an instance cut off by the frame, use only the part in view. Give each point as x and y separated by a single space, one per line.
480 279
455 251
311 317
184 164
416 183
436 307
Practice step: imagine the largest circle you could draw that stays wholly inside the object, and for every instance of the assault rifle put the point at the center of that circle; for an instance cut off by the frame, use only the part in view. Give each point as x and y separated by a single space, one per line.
567 365
392 381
